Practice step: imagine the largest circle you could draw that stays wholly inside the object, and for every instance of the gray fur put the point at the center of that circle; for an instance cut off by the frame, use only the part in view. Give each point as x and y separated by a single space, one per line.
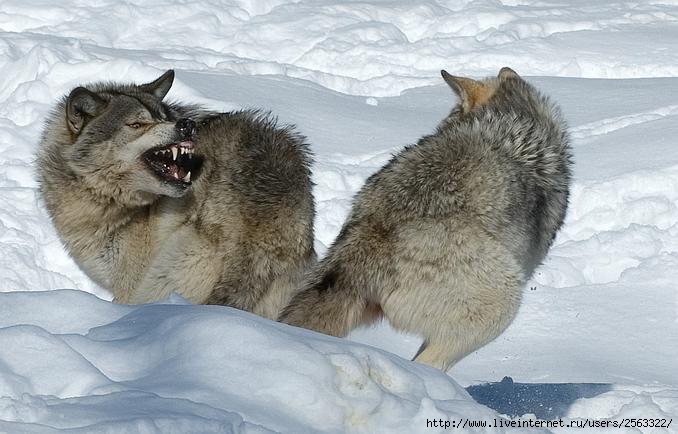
442 239
241 234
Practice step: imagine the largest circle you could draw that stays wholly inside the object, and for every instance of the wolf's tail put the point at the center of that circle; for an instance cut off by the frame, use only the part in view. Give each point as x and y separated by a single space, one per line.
330 304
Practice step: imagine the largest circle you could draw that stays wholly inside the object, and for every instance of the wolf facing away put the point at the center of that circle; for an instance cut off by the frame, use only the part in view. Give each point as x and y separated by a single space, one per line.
151 197
442 239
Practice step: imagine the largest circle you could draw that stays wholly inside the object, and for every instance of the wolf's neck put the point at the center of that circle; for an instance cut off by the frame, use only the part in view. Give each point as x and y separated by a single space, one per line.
97 231
81 199
79 210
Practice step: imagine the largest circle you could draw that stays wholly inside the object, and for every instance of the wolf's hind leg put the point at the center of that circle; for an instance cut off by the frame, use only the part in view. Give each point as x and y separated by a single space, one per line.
461 326
442 355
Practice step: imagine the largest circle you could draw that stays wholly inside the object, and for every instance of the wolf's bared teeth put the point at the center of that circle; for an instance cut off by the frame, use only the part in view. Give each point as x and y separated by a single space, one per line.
174 153
187 178
157 152
181 151
176 175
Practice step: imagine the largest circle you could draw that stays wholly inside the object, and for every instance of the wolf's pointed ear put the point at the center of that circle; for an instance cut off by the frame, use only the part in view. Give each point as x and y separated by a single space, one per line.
471 93
506 72
80 105
160 86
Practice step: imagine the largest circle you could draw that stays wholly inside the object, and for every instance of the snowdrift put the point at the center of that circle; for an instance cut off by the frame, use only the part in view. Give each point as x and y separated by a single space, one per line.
73 363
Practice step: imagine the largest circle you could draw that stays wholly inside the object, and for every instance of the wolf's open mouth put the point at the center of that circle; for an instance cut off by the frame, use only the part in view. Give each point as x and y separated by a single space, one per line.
175 162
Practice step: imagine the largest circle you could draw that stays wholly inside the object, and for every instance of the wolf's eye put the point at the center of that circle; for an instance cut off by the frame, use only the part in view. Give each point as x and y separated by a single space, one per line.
134 125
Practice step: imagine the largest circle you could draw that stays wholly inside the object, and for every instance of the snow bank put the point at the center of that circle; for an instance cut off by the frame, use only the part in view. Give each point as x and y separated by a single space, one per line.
70 362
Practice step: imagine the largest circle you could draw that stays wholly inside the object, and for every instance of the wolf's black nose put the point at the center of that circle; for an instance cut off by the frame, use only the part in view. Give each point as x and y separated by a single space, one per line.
186 128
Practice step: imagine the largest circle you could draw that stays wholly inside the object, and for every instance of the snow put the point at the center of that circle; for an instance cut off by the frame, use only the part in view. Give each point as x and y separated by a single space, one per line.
159 368
596 337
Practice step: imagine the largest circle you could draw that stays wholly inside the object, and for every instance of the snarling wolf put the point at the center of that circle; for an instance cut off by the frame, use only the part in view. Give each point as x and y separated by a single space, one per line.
442 239
153 197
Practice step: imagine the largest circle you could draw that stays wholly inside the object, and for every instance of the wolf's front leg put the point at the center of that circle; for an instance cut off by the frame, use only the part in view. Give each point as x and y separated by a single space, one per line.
185 263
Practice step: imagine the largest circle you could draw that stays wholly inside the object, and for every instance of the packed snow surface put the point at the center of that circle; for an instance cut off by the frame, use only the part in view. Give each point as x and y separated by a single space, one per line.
596 337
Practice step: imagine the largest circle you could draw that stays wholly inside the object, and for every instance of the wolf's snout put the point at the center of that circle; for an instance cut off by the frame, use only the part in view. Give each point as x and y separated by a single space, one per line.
186 128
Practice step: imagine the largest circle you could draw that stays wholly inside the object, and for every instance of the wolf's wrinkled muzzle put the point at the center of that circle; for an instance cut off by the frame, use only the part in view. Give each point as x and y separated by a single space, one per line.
186 129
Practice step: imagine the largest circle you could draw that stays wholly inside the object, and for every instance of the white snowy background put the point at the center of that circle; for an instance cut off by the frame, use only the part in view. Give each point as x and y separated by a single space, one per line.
596 337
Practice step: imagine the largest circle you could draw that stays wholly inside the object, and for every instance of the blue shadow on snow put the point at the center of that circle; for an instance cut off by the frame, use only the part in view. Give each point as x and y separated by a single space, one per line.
547 401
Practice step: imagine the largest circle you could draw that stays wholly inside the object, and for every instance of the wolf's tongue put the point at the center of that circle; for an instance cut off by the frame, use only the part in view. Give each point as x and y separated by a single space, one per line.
182 174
